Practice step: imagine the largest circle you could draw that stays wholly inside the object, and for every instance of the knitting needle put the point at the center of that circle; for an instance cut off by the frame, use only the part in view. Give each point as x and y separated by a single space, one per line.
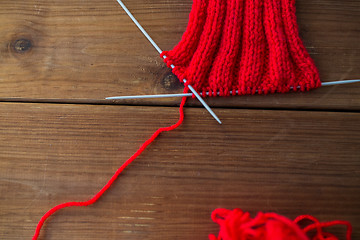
324 84
160 51
207 93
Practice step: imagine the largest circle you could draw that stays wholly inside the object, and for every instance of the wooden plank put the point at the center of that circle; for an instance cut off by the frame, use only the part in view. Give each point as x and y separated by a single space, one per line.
290 162
84 51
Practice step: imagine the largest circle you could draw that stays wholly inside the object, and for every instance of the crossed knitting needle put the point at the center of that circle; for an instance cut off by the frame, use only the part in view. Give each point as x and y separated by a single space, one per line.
160 51
184 80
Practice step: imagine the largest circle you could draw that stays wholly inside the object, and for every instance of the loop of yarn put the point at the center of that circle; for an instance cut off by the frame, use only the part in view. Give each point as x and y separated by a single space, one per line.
247 46
238 225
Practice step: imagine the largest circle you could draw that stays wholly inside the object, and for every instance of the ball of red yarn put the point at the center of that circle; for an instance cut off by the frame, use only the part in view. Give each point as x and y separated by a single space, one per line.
238 225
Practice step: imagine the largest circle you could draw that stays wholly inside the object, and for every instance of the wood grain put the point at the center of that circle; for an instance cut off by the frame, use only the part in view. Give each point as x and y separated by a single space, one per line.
286 159
84 51
290 162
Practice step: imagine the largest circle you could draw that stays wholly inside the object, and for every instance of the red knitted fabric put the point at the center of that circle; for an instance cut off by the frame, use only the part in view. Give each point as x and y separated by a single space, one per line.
238 225
243 46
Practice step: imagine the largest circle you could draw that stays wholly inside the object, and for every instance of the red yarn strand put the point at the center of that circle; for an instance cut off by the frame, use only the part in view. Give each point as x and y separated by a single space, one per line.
319 226
116 175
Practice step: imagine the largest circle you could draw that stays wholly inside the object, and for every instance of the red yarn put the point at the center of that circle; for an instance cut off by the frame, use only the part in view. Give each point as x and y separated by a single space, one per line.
248 46
115 176
238 225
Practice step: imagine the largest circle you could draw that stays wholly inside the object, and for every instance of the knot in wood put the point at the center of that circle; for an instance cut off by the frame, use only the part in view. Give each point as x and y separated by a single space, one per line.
22 45
171 82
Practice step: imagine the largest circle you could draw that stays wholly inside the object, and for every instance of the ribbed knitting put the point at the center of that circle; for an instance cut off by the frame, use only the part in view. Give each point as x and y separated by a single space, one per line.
243 46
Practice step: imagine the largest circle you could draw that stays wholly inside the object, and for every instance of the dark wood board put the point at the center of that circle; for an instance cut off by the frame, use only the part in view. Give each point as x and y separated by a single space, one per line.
289 162
84 51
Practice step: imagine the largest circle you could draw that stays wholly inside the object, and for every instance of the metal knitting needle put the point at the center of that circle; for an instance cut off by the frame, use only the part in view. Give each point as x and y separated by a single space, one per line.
324 84
207 93
160 51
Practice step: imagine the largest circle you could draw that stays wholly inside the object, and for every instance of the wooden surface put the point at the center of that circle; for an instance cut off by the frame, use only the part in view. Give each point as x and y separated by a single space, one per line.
285 161
59 141
89 50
